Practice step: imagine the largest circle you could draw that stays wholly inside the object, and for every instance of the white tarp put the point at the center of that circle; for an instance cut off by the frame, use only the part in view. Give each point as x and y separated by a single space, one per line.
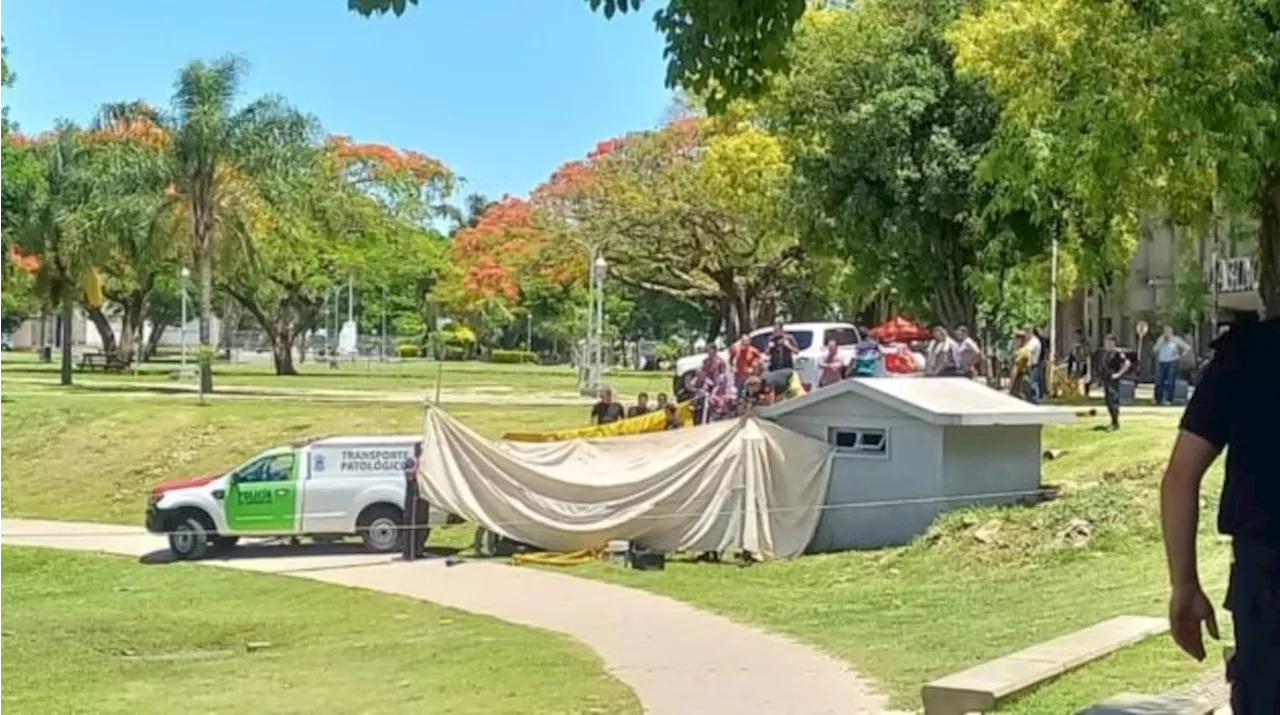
747 484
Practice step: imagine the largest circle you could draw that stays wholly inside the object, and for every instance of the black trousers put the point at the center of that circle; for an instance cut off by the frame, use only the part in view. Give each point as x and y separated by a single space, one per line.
1253 597
1111 396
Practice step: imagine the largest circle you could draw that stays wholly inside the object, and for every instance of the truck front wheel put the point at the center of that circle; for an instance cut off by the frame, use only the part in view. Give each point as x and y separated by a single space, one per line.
189 538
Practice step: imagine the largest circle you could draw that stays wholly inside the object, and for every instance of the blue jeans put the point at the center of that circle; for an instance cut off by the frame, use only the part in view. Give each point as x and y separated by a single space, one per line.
1166 378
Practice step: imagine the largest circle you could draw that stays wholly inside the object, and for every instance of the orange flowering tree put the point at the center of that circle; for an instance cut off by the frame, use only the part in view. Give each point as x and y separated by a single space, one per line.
691 211
405 181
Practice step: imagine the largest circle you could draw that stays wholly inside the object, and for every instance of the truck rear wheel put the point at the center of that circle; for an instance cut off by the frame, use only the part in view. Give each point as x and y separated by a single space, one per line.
189 538
379 527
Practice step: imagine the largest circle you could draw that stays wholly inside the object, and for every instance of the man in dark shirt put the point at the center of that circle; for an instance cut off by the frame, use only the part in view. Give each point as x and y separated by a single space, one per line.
641 407
782 350
606 411
1114 367
1232 407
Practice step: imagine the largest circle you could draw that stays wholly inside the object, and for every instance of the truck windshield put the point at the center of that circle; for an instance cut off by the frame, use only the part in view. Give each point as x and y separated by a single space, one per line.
803 338
842 336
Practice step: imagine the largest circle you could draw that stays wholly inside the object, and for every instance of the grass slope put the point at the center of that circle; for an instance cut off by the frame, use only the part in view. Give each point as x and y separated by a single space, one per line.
103 634
982 583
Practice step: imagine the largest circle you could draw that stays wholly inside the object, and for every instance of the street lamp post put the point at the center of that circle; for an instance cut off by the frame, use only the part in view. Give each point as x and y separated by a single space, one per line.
599 269
186 273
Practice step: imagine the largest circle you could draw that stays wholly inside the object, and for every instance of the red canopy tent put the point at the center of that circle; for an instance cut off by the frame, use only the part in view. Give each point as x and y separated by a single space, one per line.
900 329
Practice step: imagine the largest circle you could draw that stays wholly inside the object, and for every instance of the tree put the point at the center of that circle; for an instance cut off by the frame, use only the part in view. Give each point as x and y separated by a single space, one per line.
886 139
1134 107
133 208
330 213
45 203
719 50
693 211
216 148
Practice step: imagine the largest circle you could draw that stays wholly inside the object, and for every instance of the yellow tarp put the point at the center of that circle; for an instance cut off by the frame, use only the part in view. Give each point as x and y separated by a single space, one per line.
652 422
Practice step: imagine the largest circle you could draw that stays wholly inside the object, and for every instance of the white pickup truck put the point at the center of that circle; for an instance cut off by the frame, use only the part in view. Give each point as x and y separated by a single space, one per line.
811 338
325 488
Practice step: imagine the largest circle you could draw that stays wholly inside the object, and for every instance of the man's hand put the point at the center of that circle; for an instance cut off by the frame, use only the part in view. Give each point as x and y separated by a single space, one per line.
1188 608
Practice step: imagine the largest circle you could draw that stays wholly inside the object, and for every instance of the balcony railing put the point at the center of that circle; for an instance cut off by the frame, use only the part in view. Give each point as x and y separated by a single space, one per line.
1234 275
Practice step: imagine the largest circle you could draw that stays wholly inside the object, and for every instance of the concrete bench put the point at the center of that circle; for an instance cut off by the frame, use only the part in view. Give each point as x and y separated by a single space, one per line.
982 688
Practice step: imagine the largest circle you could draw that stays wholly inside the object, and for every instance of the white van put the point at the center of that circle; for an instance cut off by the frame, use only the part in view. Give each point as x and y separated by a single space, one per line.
327 488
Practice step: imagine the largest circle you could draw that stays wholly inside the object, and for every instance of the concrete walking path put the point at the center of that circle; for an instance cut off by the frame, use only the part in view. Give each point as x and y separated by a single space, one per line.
677 659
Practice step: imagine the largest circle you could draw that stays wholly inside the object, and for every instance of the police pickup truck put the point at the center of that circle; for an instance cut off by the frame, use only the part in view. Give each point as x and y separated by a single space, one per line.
325 488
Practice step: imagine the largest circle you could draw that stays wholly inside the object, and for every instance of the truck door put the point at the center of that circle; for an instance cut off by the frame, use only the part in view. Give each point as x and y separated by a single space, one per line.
263 496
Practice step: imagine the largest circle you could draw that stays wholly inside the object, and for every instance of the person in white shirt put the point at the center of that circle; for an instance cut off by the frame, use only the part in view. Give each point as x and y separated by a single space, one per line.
1169 350
943 358
970 353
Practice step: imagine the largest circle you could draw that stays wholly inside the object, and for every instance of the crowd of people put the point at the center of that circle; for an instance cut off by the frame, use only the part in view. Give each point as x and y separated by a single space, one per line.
728 387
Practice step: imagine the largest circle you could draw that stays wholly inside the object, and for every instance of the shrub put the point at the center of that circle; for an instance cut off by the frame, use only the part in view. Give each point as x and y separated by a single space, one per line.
452 353
513 357
407 350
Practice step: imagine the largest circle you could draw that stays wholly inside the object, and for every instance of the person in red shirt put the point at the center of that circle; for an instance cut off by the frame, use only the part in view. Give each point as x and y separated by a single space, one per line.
744 358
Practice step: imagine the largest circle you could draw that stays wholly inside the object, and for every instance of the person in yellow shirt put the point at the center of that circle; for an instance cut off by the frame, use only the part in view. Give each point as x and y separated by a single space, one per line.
1020 377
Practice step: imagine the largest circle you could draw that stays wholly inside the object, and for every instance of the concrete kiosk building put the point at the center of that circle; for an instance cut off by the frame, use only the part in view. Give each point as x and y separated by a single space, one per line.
909 449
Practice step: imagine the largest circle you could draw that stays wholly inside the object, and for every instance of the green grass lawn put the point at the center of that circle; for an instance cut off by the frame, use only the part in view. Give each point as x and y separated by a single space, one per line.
80 457
901 616
950 601
104 634
371 375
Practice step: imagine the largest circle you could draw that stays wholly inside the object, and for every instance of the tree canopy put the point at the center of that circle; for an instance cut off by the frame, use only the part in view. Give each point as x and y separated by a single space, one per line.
717 49
1129 107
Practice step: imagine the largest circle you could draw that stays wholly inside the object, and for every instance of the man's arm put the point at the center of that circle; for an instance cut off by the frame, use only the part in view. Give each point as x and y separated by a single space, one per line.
1123 369
1180 505
1205 430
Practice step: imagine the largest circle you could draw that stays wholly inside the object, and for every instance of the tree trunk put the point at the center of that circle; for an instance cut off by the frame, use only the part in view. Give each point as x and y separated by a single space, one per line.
1269 248
282 350
108 335
68 309
206 309
130 324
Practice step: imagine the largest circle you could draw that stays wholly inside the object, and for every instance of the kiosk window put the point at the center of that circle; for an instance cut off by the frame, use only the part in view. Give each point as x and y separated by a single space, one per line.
859 440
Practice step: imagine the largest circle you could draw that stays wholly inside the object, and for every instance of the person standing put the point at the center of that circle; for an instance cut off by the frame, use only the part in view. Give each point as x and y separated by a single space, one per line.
832 367
606 411
743 357
1232 408
943 358
1114 367
1020 373
641 407
1078 362
1035 350
969 352
1169 350
782 352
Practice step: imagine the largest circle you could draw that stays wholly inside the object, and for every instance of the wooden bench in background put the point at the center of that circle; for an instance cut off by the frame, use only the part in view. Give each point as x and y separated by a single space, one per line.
91 361
982 688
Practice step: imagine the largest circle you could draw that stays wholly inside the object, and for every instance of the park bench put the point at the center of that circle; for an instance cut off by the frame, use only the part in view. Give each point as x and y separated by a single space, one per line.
982 688
91 361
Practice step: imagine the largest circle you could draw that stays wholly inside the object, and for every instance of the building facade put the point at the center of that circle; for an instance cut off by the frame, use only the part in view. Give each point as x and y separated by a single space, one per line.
1194 281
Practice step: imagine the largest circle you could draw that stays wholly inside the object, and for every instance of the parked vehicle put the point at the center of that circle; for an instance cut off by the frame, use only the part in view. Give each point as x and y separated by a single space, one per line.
811 338
326 488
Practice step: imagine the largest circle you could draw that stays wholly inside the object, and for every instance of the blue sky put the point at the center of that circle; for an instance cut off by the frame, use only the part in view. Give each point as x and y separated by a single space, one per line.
503 91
